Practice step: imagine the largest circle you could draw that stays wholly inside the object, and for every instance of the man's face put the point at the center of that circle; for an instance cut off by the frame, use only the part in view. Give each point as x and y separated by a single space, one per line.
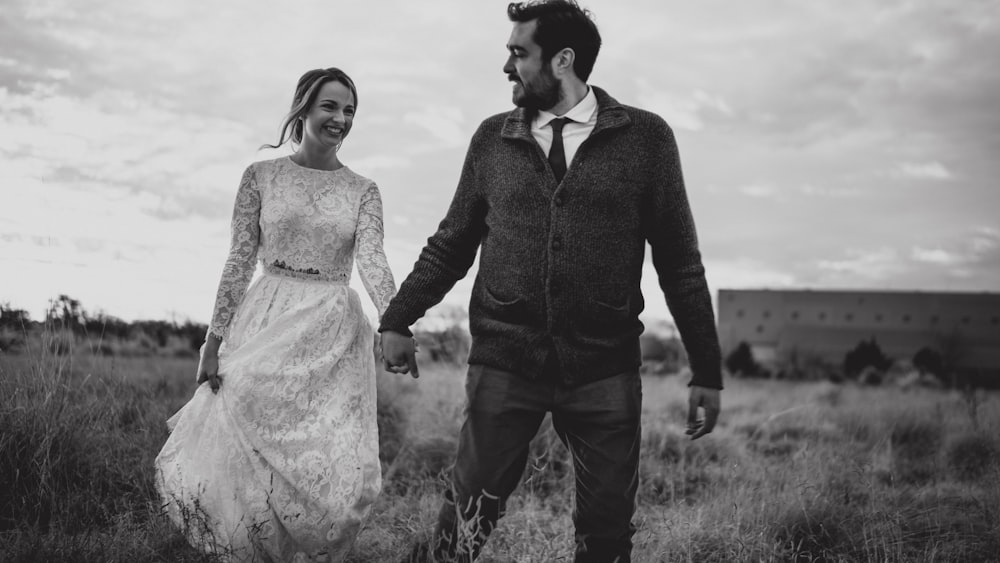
535 86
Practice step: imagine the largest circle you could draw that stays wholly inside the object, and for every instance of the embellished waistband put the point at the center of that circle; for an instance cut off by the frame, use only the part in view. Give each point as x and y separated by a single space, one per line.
339 278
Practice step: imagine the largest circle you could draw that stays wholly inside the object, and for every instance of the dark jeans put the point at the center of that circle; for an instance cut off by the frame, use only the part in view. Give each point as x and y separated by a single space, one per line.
599 424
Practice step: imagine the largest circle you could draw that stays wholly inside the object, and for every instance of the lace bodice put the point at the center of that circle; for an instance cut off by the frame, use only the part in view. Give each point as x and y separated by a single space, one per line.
307 223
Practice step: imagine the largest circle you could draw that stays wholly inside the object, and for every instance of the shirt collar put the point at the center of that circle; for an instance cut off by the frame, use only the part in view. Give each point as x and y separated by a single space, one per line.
518 123
580 113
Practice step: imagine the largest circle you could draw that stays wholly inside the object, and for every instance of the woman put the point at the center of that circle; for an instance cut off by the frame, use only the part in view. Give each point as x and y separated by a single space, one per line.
276 459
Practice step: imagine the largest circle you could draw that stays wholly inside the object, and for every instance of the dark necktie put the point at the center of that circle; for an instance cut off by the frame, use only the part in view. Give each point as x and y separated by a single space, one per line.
557 156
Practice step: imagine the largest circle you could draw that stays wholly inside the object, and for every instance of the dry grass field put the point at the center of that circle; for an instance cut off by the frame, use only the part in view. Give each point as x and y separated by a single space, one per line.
794 472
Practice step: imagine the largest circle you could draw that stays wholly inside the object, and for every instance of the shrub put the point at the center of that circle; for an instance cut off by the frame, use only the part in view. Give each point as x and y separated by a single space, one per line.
418 464
816 531
915 444
11 340
741 361
16 319
972 456
804 365
928 360
870 375
866 353
661 355
450 345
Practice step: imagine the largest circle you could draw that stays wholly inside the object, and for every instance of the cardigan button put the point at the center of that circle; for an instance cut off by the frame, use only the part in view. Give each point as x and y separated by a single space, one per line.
558 201
556 243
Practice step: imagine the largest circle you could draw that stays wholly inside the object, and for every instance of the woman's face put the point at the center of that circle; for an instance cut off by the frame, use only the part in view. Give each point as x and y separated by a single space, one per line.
331 116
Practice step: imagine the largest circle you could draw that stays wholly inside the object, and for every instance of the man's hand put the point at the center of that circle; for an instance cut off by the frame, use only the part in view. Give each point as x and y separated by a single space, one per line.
709 400
399 353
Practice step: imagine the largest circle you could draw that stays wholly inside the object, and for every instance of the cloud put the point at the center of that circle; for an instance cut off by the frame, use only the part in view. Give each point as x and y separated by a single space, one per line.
765 191
444 123
936 256
379 162
117 138
686 112
984 240
124 127
870 264
981 246
922 171
747 273
832 192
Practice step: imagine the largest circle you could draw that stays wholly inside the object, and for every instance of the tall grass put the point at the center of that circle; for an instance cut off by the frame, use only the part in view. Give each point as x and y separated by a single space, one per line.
78 434
794 472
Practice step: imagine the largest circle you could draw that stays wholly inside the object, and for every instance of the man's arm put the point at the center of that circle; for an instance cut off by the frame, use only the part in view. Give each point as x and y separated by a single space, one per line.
448 255
671 233
674 242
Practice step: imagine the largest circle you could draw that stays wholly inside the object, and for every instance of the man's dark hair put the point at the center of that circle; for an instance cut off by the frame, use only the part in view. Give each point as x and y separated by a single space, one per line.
561 24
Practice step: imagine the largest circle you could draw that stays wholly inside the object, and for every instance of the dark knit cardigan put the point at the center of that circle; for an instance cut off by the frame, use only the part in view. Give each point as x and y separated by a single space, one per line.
560 264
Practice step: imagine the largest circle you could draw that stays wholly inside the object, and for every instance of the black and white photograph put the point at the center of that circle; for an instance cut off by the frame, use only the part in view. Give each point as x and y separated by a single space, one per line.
509 282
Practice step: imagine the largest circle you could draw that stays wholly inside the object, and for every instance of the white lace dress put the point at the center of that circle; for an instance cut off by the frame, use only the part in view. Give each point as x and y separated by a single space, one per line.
282 464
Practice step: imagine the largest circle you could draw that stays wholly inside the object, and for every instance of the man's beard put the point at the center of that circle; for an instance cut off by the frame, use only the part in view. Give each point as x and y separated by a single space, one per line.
543 95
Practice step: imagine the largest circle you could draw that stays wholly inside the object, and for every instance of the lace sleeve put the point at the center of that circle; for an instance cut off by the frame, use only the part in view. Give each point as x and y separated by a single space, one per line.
370 255
240 265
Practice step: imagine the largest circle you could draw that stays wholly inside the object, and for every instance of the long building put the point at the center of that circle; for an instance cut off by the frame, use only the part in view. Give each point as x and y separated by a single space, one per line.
827 324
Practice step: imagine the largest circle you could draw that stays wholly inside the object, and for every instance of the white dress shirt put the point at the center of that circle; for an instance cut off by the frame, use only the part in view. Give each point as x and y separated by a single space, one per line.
583 118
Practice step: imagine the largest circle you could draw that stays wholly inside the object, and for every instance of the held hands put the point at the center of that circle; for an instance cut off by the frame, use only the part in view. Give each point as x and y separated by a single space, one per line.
399 353
709 400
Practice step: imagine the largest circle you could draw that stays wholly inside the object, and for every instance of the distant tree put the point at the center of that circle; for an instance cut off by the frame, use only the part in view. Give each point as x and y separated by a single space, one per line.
106 326
866 353
798 364
741 361
17 319
66 313
929 360
14 323
157 331
193 333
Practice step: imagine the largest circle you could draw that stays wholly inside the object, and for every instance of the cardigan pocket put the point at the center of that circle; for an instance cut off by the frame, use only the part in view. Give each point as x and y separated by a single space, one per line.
602 322
511 310
610 311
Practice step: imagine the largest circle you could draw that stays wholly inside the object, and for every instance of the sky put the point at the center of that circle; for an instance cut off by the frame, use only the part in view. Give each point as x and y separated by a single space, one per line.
825 145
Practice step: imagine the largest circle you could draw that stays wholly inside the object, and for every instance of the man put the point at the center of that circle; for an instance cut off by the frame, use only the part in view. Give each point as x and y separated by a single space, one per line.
560 215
